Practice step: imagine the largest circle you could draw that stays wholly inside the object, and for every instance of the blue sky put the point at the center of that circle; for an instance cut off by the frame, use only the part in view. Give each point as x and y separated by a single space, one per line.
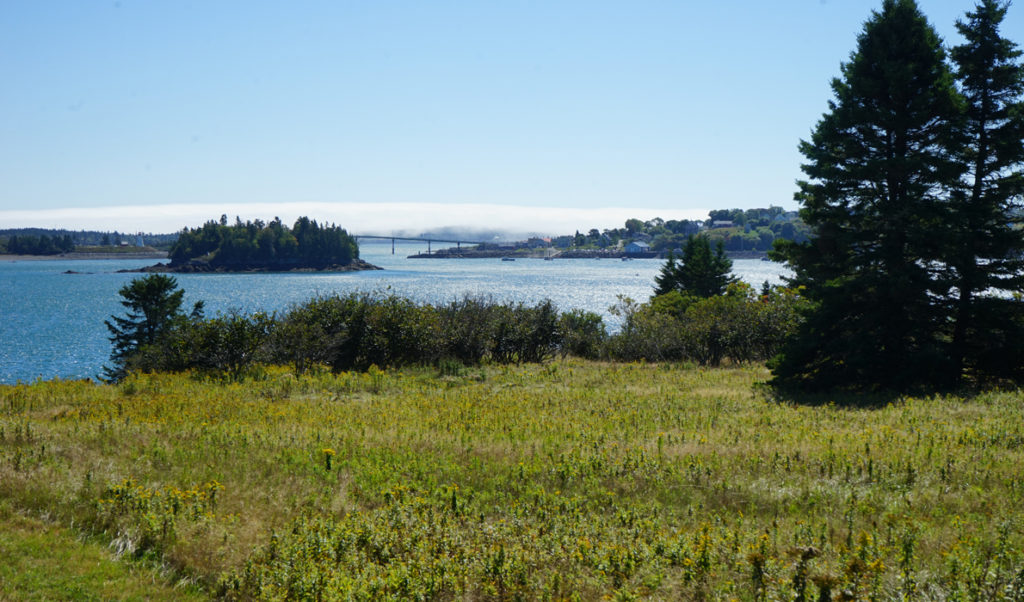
395 115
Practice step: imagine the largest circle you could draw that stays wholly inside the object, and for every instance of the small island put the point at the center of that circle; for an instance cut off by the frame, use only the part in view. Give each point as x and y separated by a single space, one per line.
255 246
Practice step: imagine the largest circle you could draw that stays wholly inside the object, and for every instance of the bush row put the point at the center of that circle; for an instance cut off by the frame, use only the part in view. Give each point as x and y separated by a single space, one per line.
740 326
359 330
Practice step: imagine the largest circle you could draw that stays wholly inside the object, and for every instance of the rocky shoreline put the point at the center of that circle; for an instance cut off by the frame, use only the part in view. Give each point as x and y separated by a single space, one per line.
198 267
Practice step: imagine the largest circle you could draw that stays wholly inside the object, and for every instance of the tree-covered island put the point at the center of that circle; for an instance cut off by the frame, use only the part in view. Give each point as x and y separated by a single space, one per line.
255 246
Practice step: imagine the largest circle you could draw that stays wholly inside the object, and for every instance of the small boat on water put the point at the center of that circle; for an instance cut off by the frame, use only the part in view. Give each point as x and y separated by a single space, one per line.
549 259
508 258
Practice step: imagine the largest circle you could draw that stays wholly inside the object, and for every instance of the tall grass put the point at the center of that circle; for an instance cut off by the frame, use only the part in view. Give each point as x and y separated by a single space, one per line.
559 481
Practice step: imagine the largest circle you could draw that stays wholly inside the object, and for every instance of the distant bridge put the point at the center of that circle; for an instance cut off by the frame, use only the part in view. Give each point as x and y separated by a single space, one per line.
458 243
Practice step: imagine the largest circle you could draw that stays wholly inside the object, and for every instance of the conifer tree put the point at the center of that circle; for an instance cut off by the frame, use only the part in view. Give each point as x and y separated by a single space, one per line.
986 257
667 279
878 163
704 273
698 272
153 302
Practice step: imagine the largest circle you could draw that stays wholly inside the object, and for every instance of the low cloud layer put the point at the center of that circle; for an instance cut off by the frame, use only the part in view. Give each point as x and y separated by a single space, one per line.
360 218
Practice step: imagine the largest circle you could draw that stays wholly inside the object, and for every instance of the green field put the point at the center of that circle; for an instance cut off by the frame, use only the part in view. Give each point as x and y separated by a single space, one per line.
571 480
41 561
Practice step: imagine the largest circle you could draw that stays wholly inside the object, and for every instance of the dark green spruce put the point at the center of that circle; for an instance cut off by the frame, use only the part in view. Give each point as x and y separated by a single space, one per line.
699 272
879 163
985 263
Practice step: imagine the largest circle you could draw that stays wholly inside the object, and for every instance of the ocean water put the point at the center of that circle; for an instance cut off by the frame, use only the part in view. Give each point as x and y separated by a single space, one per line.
51 321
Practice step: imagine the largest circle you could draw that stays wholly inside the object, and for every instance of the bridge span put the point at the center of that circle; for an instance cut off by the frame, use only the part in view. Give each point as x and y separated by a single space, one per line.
458 243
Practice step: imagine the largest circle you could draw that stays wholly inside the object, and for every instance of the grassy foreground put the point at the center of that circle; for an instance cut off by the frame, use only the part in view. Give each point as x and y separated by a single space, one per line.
571 480
40 561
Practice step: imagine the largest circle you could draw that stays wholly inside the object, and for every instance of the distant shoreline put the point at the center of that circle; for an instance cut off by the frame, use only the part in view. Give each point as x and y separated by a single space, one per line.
196 267
571 254
78 255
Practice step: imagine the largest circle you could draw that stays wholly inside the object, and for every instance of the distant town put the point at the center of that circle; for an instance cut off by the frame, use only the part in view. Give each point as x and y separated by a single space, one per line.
741 232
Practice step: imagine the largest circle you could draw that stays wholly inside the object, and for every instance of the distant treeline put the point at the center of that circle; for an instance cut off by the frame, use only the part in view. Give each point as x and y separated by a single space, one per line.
27 244
65 241
259 244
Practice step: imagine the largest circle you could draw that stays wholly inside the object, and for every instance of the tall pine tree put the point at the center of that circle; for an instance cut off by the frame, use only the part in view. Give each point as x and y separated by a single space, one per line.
986 260
878 164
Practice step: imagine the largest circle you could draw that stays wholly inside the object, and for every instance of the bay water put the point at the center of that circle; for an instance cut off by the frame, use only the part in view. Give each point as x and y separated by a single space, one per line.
52 311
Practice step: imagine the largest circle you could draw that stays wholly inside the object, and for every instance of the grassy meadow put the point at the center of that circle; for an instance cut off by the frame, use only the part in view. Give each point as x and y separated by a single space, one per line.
570 480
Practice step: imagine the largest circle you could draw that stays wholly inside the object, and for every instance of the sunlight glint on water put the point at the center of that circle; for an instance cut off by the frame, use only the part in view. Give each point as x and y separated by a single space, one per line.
51 322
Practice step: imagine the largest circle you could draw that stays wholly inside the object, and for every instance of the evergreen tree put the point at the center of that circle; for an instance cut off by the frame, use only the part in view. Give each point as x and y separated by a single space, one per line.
878 163
704 273
986 260
153 302
699 272
667 279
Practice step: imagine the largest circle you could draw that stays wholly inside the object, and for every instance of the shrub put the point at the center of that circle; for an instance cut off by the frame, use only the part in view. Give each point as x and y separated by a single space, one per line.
394 331
303 340
227 344
583 334
647 334
526 334
740 326
718 327
467 328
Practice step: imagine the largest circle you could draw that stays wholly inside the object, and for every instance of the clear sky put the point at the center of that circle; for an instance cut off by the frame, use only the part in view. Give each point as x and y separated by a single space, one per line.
397 115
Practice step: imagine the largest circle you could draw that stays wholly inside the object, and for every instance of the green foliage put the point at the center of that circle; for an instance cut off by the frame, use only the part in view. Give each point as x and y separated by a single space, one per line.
720 327
739 326
646 334
467 328
754 229
667 279
699 272
389 331
226 345
153 303
673 303
583 334
570 479
44 561
526 334
361 331
307 336
27 244
757 230
986 254
259 245
878 164
67 240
